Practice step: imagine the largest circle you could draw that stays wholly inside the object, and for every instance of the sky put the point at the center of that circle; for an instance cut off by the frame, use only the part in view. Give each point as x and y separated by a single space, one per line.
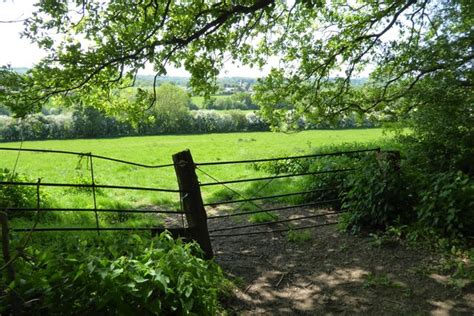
20 52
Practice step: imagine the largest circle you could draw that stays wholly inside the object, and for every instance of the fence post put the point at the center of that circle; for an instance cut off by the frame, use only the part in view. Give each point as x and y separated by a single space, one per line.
192 203
8 262
392 157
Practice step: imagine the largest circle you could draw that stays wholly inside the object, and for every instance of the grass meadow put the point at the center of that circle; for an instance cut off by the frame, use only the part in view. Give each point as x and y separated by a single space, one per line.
155 150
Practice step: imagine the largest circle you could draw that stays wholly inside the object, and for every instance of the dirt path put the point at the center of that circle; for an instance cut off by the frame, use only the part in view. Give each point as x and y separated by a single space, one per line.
332 273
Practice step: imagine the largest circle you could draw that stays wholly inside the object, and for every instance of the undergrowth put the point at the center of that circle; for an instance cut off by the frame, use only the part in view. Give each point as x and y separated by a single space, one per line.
114 275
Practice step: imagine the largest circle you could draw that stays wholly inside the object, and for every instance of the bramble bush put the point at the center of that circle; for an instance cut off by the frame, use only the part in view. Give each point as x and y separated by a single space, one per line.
126 275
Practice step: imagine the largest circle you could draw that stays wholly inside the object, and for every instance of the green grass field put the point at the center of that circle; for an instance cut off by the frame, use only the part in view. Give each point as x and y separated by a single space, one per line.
199 101
158 150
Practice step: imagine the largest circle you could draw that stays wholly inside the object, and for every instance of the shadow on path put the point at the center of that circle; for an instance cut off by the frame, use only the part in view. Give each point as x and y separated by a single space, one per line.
333 273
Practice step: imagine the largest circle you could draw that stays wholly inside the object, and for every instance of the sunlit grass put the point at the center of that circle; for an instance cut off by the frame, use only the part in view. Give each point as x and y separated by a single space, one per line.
155 150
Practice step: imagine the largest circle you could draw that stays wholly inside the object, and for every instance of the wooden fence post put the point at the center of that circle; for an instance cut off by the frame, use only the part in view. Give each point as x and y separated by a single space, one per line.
392 157
8 262
192 202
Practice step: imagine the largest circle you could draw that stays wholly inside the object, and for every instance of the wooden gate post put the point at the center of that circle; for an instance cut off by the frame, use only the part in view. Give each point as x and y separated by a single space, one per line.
192 203
392 157
8 262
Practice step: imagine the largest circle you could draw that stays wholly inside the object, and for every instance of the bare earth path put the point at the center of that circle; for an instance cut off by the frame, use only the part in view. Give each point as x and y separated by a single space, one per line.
333 273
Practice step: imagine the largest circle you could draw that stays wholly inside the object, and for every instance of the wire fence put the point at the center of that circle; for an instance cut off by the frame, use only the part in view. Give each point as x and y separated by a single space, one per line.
92 187
254 196
86 154
192 205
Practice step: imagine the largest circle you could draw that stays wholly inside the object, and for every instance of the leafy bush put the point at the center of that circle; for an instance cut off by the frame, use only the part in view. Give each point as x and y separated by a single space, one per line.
89 122
327 186
443 126
240 101
376 196
447 204
38 126
18 196
121 277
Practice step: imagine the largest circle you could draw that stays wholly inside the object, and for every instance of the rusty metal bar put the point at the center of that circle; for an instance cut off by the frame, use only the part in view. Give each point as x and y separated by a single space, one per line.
92 210
56 229
285 158
74 185
94 193
274 222
274 209
85 154
276 177
269 197
273 231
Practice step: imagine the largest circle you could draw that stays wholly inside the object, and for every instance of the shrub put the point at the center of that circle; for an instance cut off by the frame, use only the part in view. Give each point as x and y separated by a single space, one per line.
447 204
18 196
120 277
89 122
4 122
326 185
376 196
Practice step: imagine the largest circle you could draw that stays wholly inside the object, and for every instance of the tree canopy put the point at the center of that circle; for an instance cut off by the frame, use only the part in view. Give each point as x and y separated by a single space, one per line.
321 46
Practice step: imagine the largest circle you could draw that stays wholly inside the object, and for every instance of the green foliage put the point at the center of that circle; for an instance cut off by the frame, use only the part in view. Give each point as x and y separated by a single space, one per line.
12 84
417 58
116 217
443 125
376 196
222 195
240 101
19 196
38 126
117 276
171 107
263 217
459 263
426 39
376 281
327 186
299 236
447 204
89 122
4 110
84 180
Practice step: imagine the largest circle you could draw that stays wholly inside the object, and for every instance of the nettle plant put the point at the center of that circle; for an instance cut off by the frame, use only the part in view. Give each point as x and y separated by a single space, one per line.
122 275
447 204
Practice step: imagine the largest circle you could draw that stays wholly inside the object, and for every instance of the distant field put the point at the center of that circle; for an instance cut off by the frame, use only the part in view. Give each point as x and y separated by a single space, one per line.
199 101
158 150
